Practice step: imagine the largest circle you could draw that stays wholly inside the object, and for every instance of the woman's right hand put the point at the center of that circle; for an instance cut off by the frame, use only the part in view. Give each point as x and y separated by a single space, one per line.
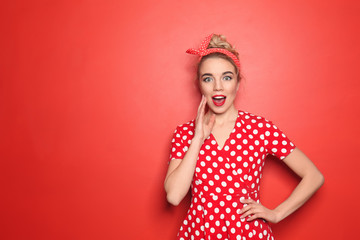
181 172
203 123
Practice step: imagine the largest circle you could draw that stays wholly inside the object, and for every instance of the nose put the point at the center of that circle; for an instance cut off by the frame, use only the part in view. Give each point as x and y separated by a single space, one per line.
218 85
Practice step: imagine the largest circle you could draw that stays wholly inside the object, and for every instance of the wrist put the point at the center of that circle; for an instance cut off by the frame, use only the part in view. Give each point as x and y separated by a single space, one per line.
278 215
197 140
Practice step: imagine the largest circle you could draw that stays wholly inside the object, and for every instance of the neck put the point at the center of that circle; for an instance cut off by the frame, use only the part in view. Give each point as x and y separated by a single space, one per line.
229 115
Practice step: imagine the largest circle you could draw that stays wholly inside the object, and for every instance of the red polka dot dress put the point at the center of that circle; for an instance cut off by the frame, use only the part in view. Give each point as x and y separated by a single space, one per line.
225 175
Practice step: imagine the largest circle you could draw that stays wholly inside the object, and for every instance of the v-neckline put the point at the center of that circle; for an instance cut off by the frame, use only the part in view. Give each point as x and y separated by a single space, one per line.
229 137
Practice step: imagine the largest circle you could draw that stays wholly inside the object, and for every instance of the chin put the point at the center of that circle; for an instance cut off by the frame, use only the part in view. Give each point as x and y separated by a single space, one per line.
219 110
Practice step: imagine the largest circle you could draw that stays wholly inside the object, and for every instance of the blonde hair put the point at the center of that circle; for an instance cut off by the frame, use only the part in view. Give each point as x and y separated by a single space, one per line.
219 41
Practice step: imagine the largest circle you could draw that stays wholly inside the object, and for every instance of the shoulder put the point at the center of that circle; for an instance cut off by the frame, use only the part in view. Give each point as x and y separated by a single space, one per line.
252 119
186 128
256 123
184 133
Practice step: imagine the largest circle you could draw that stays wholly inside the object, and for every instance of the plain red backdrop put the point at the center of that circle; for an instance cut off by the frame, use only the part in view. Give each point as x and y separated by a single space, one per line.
91 92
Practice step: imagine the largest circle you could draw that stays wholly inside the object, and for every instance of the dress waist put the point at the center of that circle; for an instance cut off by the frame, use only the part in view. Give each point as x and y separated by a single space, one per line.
242 192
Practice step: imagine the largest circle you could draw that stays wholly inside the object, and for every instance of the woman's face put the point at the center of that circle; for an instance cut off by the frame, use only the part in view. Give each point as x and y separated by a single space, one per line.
218 83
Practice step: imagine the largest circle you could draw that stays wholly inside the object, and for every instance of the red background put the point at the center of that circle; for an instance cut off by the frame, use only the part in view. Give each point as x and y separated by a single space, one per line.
91 92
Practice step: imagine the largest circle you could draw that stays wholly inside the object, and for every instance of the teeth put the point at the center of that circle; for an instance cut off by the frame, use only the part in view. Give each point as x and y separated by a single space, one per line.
218 97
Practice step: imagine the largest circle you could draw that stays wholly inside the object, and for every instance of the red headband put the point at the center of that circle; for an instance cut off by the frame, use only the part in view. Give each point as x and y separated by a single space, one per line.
203 51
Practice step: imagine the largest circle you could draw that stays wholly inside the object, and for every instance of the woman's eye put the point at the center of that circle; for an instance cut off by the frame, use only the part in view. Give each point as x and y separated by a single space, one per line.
207 79
227 78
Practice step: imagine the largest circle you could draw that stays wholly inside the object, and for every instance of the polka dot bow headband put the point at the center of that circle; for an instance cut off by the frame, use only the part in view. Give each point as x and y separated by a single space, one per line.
203 50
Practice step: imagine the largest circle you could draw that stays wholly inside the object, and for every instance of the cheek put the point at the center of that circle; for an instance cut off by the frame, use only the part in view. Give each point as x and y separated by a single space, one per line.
232 88
204 89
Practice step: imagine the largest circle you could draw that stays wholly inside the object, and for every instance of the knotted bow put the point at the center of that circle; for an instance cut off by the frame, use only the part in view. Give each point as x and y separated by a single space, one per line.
203 51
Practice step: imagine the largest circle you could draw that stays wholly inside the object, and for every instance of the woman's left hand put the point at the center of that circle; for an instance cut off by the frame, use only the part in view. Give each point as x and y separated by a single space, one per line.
254 210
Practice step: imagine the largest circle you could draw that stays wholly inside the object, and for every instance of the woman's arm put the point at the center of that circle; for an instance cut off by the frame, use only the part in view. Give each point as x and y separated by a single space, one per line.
311 181
180 172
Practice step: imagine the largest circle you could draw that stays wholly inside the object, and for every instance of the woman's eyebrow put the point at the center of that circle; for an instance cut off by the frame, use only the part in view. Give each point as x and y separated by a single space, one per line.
206 74
227 72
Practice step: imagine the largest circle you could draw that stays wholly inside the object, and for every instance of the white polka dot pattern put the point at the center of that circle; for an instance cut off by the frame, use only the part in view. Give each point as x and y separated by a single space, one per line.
224 176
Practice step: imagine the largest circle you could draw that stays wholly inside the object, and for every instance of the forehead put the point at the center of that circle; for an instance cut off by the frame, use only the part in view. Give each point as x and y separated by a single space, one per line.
215 66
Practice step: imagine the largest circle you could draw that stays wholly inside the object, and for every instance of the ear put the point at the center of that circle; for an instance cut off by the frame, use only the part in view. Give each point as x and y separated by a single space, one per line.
237 86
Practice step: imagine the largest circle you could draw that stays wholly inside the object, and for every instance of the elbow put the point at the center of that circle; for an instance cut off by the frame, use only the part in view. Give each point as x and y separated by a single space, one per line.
322 179
319 179
315 179
173 199
174 194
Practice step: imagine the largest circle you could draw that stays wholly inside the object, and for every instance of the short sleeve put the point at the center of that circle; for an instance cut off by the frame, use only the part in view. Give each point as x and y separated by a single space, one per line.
276 142
177 145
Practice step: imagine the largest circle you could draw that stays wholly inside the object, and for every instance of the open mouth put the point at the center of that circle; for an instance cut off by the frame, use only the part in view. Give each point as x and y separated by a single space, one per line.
219 100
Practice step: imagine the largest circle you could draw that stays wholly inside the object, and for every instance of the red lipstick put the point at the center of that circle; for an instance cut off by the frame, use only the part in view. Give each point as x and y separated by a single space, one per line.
219 100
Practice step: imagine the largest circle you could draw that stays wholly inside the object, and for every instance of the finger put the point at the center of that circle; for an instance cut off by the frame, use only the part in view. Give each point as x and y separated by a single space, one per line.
248 213
247 201
254 216
254 210
246 208
200 105
202 110
199 116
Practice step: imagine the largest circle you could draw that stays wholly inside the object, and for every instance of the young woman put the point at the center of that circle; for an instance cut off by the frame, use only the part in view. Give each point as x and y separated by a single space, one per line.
221 154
